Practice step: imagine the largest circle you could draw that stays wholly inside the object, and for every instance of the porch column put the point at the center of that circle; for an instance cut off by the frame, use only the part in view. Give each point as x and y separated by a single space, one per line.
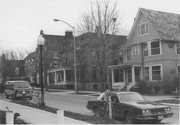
64 72
133 75
48 78
55 78
112 72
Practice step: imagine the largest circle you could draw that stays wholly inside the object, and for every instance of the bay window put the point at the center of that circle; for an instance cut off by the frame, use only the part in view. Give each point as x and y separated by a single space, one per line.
155 48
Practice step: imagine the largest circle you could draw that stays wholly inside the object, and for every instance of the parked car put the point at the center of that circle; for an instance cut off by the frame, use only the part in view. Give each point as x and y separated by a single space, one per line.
16 89
132 107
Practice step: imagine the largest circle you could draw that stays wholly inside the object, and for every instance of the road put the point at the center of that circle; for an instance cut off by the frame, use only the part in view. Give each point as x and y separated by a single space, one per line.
77 103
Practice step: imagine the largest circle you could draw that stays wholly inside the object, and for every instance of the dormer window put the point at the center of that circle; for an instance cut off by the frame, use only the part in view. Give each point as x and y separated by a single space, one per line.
143 29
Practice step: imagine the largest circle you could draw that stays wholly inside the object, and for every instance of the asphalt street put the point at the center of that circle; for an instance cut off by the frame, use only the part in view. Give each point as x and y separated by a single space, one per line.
77 103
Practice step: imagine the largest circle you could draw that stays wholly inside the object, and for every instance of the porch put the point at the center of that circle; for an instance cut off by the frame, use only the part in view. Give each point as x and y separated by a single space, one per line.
60 76
125 76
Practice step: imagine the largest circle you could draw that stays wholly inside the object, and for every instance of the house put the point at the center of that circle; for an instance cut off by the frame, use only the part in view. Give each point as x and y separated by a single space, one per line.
11 69
30 67
90 58
152 52
57 60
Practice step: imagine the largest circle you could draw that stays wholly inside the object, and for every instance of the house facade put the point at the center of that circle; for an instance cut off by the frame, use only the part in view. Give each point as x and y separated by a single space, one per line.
152 52
58 58
11 69
57 61
89 56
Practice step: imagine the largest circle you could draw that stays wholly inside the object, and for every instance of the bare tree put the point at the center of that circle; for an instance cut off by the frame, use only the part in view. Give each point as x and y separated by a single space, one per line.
15 55
103 18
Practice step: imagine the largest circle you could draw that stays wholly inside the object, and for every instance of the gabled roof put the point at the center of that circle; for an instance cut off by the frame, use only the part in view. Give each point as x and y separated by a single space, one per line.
166 25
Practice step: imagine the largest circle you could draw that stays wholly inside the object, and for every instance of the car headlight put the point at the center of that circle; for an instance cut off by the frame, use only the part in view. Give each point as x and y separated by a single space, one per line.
23 92
167 109
145 110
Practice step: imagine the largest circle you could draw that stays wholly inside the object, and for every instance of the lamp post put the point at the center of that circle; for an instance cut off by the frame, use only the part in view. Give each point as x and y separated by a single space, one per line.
40 43
75 76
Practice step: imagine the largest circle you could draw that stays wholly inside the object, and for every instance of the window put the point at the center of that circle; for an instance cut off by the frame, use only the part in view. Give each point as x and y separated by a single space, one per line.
118 75
145 47
55 64
128 54
155 48
60 76
143 29
135 50
156 72
146 70
178 48
114 98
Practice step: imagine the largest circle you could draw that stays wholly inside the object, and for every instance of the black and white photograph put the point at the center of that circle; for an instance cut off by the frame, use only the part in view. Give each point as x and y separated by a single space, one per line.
89 62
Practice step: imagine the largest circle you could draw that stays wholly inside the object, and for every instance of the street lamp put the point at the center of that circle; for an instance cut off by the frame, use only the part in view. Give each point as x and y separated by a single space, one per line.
40 43
75 78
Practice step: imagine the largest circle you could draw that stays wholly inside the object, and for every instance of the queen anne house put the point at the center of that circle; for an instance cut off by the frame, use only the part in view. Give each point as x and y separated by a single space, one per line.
152 51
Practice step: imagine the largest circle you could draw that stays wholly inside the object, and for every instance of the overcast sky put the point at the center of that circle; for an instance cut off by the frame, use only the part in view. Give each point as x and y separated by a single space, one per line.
22 20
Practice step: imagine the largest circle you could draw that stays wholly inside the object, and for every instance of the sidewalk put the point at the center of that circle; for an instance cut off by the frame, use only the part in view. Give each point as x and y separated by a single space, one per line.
36 116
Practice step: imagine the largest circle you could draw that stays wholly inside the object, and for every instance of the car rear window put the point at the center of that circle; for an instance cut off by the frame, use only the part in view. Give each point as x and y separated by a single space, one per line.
131 97
23 84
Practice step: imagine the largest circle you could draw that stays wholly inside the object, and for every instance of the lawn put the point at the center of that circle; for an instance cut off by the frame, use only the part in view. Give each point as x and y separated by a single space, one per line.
77 116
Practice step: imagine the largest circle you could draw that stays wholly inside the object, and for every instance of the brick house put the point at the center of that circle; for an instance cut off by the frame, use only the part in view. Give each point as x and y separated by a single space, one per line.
30 67
88 45
57 60
152 52
59 64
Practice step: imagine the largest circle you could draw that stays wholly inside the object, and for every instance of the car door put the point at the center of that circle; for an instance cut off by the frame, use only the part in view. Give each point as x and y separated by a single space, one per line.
116 106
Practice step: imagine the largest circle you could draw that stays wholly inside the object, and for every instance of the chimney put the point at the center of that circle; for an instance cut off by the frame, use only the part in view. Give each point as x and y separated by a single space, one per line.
68 34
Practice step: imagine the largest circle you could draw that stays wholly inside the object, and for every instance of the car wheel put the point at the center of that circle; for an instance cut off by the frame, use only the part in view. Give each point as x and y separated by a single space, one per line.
129 117
157 121
13 97
96 112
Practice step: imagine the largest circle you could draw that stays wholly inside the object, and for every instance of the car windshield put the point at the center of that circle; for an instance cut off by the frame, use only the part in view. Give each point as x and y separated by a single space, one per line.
22 84
131 97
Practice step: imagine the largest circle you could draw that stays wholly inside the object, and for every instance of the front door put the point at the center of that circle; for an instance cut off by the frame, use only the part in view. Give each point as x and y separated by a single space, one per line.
137 71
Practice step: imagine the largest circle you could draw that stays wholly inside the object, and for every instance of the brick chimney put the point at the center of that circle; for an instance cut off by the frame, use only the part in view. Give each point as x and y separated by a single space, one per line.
68 34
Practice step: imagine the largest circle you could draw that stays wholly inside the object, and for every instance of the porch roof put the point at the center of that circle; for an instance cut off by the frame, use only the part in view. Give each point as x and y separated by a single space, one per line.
60 68
124 65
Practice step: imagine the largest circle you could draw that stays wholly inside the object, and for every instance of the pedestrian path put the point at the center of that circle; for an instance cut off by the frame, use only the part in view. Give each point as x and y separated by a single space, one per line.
36 116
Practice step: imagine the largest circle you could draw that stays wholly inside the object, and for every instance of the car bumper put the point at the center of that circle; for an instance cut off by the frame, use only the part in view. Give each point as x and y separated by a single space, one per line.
27 95
155 117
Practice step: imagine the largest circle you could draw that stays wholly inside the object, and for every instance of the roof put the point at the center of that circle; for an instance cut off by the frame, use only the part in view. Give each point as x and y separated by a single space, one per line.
118 40
31 55
167 25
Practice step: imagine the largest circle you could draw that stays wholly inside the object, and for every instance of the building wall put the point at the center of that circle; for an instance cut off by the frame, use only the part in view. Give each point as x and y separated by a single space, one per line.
168 58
